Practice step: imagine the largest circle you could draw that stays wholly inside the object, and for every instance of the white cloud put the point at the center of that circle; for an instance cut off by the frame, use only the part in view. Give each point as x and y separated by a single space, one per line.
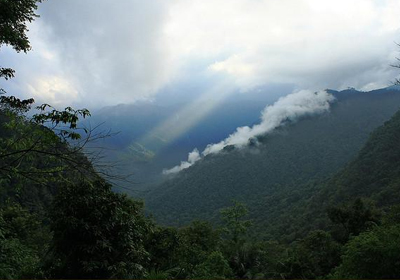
289 108
121 51
52 89
312 43
193 157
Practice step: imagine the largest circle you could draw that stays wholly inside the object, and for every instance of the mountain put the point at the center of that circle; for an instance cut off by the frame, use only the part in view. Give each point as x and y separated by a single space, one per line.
150 137
46 219
286 168
373 175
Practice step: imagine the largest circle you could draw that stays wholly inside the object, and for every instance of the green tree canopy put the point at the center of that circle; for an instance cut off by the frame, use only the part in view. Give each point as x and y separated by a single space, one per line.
97 233
372 254
235 225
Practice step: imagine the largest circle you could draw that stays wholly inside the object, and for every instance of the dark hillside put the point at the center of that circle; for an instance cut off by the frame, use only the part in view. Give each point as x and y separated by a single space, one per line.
33 178
269 178
375 173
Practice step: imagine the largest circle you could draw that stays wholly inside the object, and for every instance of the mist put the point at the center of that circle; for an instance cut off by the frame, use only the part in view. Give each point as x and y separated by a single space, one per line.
287 109
193 157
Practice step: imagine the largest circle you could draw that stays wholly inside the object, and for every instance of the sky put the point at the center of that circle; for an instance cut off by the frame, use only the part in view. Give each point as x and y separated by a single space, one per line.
95 53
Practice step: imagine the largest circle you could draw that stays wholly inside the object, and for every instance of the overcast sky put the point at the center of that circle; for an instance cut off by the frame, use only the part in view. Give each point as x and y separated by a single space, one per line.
105 52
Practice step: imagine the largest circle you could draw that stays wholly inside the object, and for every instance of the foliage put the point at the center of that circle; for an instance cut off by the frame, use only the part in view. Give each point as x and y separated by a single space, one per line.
17 260
97 233
27 139
67 117
353 219
76 227
202 234
235 226
161 244
23 242
372 254
13 22
23 138
14 15
154 274
34 160
313 257
214 267
278 178
100 234
196 242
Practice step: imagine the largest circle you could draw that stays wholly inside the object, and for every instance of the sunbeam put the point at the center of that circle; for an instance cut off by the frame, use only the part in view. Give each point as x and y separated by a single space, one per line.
187 117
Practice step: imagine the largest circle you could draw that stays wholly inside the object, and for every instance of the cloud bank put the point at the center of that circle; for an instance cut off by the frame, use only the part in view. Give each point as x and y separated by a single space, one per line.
287 109
105 52
193 157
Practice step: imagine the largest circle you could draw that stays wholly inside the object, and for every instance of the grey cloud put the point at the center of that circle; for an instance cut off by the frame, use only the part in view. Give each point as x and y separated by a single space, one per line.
113 51
104 52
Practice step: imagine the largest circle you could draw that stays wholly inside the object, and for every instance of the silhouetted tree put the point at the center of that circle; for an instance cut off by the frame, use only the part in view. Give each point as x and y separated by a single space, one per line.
97 233
14 16
354 218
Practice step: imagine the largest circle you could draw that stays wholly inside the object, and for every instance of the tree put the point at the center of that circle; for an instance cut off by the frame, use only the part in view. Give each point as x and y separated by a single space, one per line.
353 218
236 229
313 257
50 136
23 241
235 226
372 254
162 244
214 267
47 135
14 16
97 233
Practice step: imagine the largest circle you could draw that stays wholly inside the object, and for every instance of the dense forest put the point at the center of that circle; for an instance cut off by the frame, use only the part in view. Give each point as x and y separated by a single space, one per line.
71 226
335 213
280 170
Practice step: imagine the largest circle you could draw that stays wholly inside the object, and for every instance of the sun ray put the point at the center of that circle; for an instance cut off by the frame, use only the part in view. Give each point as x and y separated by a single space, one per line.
187 117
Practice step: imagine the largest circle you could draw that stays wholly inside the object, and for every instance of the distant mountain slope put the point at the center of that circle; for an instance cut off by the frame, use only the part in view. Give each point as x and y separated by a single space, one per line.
375 173
142 150
273 177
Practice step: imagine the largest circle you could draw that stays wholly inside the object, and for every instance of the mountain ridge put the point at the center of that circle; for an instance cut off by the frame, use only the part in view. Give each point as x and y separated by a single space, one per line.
310 150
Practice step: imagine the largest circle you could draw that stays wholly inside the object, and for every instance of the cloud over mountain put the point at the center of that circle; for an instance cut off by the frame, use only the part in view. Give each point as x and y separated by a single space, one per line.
287 109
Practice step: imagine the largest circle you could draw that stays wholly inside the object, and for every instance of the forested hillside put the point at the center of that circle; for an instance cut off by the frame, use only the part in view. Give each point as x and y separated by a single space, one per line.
359 206
271 176
375 173
316 199
147 137
372 176
83 229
